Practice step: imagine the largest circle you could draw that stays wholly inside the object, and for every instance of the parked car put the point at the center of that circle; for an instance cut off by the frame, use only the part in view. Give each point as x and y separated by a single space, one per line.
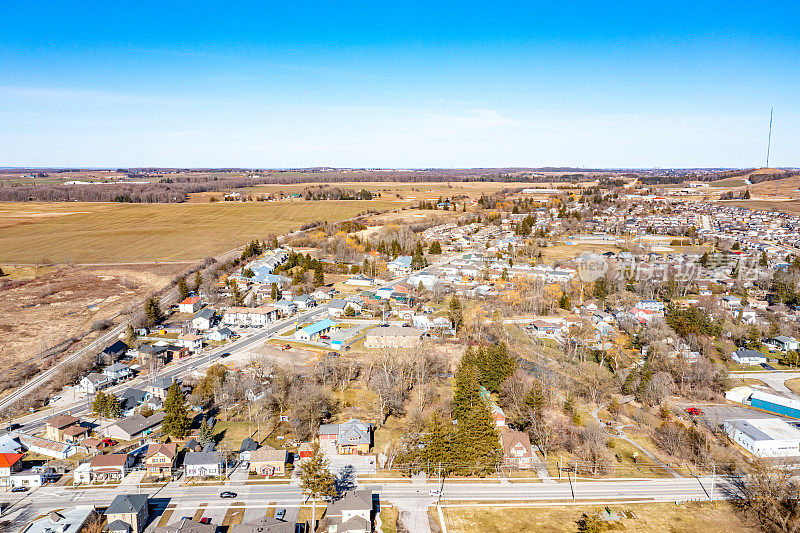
227 494
280 514
109 442
226 354
694 411
324 337
19 489
205 520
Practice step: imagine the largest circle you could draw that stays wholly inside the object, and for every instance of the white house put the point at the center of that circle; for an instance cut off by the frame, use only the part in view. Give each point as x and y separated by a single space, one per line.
745 356
94 382
286 307
400 266
651 305
190 305
304 301
203 464
765 437
782 342
250 316
219 334
191 341
117 371
203 319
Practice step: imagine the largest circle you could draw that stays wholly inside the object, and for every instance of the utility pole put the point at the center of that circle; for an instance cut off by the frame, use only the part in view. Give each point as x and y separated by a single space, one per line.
713 478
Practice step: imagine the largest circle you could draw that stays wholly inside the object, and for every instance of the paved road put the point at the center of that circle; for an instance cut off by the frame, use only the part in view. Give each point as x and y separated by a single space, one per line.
775 379
409 496
176 369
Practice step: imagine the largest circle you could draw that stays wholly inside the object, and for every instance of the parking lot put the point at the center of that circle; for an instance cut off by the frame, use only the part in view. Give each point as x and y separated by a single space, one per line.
715 415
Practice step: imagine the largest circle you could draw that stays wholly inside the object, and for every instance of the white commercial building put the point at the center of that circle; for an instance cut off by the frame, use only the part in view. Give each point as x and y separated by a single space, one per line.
765 437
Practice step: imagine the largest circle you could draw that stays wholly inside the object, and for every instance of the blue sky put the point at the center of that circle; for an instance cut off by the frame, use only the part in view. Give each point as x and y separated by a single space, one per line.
398 84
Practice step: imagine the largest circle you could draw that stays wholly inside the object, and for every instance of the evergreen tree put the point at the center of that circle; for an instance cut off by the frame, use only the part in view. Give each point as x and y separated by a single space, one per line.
476 444
456 313
130 336
206 434
763 261
273 292
467 390
176 420
113 407
319 276
316 480
436 443
349 311
183 288
627 387
237 298
564 302
704 260
198 281
99 404
435 248
152 311
2 273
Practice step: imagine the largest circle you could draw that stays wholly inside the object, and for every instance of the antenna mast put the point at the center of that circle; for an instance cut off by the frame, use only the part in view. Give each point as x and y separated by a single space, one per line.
769 138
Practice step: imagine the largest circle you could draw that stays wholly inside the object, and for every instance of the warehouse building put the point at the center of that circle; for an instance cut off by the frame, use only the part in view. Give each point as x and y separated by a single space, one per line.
765 437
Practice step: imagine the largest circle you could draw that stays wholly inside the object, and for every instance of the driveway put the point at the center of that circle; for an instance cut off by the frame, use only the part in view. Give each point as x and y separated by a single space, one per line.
776 380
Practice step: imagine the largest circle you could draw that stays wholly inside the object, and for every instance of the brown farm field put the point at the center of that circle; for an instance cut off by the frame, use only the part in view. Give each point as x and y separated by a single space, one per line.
687 518
124 233
66 301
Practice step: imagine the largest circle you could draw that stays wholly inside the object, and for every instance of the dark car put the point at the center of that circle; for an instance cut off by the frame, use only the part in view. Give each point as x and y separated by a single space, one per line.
280 514
226 354
19 489
227 494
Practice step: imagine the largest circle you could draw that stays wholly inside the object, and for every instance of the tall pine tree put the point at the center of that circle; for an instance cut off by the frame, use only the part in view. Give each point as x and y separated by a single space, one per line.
176 420
467 390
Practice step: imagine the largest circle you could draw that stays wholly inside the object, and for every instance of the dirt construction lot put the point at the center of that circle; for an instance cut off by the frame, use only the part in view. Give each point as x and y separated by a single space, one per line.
41 312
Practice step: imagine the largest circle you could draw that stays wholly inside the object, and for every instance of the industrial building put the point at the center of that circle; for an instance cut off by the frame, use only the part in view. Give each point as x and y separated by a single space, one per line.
765 437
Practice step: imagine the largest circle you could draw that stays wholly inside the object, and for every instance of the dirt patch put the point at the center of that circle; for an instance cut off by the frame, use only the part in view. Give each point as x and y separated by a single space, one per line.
40 313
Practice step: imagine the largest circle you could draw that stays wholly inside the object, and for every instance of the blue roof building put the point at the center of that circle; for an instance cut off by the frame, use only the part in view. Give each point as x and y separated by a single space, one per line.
315 330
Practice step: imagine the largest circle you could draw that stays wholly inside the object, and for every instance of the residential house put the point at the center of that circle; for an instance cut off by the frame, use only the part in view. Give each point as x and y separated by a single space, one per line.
267 461
352 513
400 266
220 334
190 305
266 524
203 464
651 305
497 414
54 427
246 448
158 387
110 467
10 463
160 458
191 341
337 307
131 399
114 351
392 337
784 343
517 448
304 301
745 356
286 307
128 513
135 426
187 525
117 372
354 437
203 319
94 382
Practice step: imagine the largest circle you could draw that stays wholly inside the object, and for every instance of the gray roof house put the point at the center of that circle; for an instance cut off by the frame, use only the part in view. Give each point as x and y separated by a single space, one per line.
128 513
130 399
353 512
203 464
134 426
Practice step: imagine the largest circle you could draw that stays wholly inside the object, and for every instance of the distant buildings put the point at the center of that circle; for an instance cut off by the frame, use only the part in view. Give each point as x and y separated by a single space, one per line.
765 437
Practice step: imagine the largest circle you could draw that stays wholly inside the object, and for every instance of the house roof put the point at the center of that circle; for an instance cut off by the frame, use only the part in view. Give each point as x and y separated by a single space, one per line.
202 458
118 525
191 300
96 378
248 445
206 313
510 439
267 454
115 348
62 421
7 460
112 459
127 503
137 423
116 367
75 430
168 449
353 500
131 397
394 331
